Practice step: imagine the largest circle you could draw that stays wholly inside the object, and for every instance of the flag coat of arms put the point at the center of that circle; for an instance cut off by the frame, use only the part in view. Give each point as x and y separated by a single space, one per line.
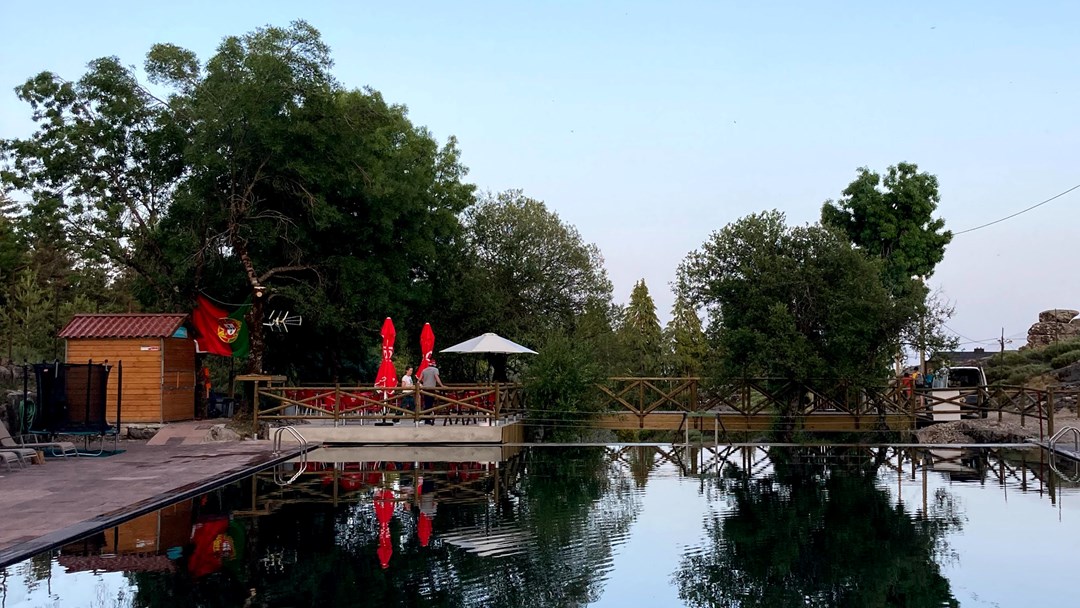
218 331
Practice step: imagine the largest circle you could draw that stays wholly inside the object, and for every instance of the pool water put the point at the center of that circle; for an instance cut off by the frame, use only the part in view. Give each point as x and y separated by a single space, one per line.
616 526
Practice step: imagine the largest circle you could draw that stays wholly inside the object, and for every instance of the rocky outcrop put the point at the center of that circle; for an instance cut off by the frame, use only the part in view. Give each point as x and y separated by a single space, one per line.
1054 325
1058 315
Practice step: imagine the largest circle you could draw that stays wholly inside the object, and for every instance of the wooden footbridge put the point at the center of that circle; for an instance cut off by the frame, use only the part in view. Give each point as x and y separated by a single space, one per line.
496 412
761 404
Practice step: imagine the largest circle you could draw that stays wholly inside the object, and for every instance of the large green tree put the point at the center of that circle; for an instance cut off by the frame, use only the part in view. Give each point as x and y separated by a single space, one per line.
254 174
534 272
793 303
891 217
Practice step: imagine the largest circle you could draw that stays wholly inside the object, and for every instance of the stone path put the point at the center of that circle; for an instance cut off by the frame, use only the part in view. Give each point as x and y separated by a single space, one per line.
44 505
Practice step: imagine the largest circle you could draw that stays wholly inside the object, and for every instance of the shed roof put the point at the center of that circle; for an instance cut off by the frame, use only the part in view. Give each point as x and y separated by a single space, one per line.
123 326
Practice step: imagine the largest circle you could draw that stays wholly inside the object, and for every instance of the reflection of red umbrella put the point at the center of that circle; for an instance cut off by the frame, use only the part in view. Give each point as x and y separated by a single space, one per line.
386 549
387 375
423 529
384 505
427 345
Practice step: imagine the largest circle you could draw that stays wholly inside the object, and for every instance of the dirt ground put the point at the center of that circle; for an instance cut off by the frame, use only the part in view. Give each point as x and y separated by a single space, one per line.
989 430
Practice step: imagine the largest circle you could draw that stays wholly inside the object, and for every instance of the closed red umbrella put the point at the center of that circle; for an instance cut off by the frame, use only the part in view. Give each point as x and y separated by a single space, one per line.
387 376
427 346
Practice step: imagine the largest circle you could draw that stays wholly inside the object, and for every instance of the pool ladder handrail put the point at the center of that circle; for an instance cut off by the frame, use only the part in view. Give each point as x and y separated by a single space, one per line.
1076 447
278 479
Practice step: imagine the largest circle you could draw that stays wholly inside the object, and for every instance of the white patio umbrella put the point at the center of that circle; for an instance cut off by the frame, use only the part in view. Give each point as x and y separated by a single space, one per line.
489 343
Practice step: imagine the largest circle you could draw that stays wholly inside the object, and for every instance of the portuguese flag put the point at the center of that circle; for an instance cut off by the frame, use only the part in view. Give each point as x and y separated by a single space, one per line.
218 331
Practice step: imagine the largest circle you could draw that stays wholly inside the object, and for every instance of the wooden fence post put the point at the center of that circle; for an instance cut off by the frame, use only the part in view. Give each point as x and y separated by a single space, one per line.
1050 412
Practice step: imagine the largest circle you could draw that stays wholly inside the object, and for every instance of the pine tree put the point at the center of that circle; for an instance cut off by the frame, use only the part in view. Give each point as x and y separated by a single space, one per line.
27 323
685 339
640 336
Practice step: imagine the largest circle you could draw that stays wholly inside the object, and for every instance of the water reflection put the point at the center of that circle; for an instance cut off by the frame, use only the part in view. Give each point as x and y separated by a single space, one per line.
583 526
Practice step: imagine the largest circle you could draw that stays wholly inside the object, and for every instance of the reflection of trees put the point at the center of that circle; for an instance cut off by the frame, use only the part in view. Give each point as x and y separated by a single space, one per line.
570 507
817 532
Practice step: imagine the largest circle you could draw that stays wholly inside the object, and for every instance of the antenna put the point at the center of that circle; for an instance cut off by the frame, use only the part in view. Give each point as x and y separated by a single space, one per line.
281 321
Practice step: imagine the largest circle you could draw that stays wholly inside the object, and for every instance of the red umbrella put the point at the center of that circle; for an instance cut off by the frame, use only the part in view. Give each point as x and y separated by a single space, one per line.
387 376
386 548
427 346
423 529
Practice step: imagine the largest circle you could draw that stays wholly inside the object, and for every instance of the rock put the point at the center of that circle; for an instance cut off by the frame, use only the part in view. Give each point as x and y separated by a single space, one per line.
1053 329
219 432
142 432
1058 315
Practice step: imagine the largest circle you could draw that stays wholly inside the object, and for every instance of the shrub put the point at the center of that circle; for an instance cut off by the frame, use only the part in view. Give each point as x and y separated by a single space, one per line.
1064 359
559 386
1047 353
1021 374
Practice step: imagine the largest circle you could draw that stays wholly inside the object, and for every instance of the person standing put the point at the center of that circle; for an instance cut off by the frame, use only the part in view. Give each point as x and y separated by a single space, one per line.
429 379
407 384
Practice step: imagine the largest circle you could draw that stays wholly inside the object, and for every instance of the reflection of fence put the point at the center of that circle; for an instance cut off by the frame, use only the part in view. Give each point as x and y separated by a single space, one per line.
465 403
354 482
1027 469
761 403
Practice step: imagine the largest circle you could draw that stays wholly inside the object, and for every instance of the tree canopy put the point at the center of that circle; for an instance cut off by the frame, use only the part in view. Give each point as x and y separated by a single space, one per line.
795 303
892 217
256 175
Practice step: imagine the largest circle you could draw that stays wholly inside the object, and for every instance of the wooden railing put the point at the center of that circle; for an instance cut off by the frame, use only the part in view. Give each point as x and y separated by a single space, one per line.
764 397
452 404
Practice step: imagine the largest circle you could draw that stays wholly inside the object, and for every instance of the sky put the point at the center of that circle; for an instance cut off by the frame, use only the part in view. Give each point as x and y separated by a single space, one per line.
648 126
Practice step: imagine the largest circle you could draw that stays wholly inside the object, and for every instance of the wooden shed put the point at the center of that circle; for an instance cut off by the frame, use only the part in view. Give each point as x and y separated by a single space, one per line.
159 366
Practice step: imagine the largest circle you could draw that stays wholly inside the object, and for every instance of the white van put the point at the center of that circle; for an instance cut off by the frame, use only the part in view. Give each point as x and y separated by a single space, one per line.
959 384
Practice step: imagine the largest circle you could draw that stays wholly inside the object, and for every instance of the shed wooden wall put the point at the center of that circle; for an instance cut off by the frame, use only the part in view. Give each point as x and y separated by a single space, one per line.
159 375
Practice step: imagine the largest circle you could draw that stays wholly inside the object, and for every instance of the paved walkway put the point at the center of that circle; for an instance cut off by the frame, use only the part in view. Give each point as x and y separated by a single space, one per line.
44 505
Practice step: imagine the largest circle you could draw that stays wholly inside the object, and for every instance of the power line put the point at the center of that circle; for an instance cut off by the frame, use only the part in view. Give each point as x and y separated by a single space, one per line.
1022 211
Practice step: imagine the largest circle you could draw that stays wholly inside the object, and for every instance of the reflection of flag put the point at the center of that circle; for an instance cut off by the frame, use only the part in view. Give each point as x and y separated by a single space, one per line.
218 331
212 545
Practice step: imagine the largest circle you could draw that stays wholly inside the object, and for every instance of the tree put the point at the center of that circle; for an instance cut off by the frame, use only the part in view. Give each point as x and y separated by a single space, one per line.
795 303
256 175
101 166
28 320
893 218
687 348
639 334
535 272
12 248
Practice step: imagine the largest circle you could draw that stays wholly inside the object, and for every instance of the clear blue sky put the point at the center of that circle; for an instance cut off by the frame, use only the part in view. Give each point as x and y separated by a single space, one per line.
649 125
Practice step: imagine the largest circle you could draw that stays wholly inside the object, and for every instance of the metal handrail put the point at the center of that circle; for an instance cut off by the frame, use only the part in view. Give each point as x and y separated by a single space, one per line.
277 451
1058 435
1076 447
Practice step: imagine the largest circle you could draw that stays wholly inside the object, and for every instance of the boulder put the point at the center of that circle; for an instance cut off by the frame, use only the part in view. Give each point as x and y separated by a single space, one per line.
1058 315
219 432
1054 330
142 432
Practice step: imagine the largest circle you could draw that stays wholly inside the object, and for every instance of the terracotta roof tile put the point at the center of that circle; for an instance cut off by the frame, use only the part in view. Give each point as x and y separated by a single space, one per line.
123 326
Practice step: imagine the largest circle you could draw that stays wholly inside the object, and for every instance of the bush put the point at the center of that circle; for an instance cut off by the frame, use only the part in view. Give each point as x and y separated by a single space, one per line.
1008 359
1047 353
1064 359
1020 375
559 386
